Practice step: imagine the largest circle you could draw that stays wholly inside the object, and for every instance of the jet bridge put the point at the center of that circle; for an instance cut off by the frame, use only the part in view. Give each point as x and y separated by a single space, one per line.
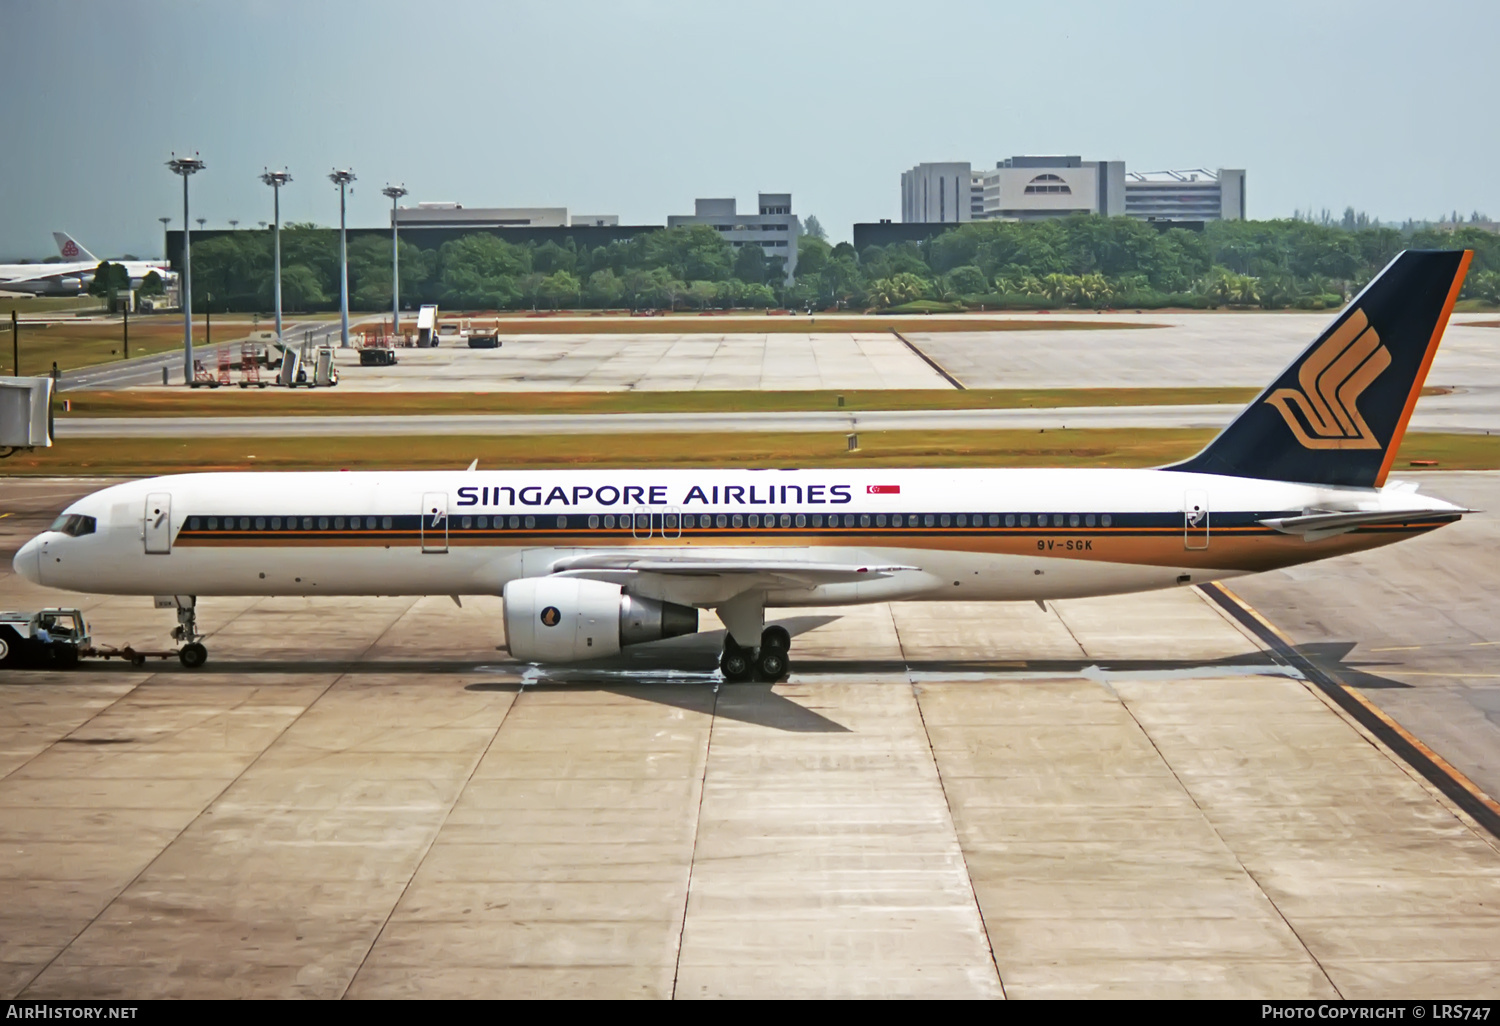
25 414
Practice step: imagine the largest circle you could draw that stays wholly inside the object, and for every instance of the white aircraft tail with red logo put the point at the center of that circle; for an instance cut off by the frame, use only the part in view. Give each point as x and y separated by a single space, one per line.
70 249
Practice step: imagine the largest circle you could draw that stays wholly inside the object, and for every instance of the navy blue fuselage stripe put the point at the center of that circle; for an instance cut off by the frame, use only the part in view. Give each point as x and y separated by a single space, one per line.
322 525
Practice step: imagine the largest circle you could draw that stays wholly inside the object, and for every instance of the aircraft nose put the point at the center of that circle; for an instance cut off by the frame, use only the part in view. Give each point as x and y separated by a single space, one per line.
28 561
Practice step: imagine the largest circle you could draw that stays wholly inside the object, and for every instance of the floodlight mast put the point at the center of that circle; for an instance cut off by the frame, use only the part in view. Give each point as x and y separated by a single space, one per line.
186 167
343 179
276 179
395 192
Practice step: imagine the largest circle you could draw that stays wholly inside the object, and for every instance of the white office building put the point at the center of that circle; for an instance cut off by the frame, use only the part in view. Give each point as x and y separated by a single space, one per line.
1192 195
774 229
456 215
1032 188
1027 188
947 192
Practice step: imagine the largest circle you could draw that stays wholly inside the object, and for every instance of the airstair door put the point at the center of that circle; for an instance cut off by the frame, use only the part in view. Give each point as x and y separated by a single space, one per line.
1195 519
159 523
435 522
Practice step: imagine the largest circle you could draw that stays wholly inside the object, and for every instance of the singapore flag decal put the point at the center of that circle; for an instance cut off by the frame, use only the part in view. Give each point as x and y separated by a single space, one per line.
883 489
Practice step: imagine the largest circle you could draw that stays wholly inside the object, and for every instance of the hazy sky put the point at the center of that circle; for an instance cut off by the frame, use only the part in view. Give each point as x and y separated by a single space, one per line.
637 108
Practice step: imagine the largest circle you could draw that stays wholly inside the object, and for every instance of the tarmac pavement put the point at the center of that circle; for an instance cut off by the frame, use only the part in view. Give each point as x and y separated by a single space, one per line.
1115 797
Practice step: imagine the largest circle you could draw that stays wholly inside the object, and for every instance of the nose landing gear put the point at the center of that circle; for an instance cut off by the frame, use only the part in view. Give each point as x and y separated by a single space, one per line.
192 654
768 662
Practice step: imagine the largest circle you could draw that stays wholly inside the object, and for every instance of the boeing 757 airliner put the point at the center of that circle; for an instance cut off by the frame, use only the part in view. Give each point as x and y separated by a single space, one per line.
589 561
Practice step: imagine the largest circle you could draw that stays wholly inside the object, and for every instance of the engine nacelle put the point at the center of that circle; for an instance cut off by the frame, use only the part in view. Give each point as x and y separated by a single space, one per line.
568 619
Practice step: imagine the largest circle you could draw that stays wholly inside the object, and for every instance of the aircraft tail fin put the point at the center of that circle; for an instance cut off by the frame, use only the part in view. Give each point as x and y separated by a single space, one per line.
1337 415
70 249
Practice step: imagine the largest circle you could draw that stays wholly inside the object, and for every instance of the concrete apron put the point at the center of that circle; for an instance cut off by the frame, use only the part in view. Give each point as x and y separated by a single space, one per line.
1112 797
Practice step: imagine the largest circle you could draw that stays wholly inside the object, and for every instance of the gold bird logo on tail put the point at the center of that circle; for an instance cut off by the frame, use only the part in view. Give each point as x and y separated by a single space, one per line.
1332 378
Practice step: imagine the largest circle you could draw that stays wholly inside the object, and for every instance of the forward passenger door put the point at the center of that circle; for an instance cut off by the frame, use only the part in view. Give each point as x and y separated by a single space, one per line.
435 522
159 523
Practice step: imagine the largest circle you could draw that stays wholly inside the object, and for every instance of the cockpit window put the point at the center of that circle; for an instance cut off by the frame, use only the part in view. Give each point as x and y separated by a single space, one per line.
74 524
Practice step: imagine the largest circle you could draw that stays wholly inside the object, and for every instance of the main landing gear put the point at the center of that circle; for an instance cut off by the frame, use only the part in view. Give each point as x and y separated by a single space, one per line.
192 653
767 662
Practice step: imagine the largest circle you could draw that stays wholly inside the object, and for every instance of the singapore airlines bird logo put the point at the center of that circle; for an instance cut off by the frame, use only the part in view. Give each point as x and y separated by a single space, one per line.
1332 379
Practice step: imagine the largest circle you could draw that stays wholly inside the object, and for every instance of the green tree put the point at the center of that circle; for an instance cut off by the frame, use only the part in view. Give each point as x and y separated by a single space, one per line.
604 288
750 265
812 228
812 256
550 257
758 296
967 280
152 285
300 289
475 268
689 253
529 286
729 294
559 287
370 272
1483 286
702 294
108 279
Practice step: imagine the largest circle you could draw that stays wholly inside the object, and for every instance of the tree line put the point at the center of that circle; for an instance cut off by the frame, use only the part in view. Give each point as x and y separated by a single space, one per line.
1083 261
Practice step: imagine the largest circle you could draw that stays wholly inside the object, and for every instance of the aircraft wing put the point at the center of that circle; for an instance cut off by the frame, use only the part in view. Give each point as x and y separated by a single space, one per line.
806 573
1320 523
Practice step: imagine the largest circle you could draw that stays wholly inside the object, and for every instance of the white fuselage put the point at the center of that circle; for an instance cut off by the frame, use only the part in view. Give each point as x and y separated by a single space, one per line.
69 278
965 534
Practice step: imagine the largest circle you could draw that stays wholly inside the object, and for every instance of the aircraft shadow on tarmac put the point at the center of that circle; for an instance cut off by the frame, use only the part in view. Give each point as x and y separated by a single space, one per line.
683 673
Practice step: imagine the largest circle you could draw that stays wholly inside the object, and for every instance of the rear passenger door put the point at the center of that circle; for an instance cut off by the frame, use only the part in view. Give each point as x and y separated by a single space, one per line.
1195 516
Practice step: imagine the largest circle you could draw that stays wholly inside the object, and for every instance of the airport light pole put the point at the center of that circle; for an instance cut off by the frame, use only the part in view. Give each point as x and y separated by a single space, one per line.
166 224
343 179
395 192
186 167
276 179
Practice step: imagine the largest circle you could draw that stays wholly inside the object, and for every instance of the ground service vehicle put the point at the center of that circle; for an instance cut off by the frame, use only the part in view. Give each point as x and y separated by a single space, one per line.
427 327
46 638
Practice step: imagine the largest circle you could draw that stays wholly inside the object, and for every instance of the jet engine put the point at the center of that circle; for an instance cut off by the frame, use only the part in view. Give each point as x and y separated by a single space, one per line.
568 619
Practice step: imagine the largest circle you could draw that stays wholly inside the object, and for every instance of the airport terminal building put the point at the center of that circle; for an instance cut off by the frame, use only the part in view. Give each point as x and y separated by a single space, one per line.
456 215
1029 188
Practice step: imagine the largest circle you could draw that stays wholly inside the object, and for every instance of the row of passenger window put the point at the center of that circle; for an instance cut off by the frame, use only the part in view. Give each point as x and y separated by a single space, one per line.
288 524
907 520
664 521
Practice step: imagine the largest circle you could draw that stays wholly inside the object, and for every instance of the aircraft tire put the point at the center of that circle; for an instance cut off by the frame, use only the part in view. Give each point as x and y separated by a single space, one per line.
735 664
776 636
193 655
770 663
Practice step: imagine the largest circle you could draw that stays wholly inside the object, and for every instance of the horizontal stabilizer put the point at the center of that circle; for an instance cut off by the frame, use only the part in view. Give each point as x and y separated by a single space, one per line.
1318 524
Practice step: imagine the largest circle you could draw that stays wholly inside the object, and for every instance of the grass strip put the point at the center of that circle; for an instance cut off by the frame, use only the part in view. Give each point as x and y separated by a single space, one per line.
760 324
1008 448
235 402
